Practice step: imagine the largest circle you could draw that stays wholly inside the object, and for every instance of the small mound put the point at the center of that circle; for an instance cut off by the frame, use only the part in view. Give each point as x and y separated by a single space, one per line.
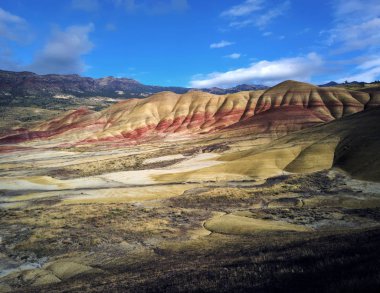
316 157
67 269
39 277
242 225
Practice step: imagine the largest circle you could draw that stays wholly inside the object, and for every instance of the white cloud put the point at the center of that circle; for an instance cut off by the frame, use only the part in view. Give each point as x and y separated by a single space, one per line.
374 61
356 9
255 13
61 54
351 37
13 27
64 50
85 5
357 25
8 17
221 44
367 71
241 23
264 19
367 76
247 7
233 56
263 72
267 34
355 29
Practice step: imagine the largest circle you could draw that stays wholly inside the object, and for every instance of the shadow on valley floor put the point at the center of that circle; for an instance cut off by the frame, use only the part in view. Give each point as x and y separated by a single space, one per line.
289 262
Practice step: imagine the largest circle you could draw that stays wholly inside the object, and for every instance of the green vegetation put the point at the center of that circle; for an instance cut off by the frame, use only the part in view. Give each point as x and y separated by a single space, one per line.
23 117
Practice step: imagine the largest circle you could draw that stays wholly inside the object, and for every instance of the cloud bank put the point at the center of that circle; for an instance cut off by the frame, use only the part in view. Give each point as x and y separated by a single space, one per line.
63 51
12 27
263 72
357 31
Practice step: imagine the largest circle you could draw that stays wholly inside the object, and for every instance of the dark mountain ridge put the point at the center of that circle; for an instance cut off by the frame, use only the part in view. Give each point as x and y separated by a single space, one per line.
24 84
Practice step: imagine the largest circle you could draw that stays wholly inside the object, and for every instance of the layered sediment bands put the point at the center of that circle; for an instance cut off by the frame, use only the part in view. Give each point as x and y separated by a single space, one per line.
77 120
280 120
326 103
286 107
350 143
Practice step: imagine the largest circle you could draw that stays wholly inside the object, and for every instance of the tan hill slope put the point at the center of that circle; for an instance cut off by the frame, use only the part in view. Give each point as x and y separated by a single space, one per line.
286 107
350 143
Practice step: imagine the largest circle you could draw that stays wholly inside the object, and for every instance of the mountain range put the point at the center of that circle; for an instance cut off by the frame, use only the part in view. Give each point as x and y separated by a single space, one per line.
24 84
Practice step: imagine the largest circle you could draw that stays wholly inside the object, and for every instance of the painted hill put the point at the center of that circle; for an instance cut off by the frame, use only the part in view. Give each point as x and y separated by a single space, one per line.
286 107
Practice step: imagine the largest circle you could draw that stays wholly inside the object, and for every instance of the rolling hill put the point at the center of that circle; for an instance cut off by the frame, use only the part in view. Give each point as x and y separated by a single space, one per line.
284 108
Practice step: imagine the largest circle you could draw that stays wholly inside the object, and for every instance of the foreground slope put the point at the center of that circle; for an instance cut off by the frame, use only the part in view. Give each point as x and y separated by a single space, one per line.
287 107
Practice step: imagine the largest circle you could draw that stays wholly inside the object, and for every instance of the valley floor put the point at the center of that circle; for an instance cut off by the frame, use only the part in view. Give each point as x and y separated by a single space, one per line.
133 219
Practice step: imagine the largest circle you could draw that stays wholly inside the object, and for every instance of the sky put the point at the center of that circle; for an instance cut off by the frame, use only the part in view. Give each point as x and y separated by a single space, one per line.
194 43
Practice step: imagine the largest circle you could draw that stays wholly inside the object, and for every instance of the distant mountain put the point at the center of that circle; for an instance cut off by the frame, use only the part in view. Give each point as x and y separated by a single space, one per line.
28 84
236 89
343 84
31 84
351 84
331 83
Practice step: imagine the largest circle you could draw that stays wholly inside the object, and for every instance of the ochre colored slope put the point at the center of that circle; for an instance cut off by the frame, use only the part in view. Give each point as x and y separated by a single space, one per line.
350 143
284 108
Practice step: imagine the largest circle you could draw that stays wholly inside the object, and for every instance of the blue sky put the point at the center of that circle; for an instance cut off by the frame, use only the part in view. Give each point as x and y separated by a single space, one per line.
193 42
